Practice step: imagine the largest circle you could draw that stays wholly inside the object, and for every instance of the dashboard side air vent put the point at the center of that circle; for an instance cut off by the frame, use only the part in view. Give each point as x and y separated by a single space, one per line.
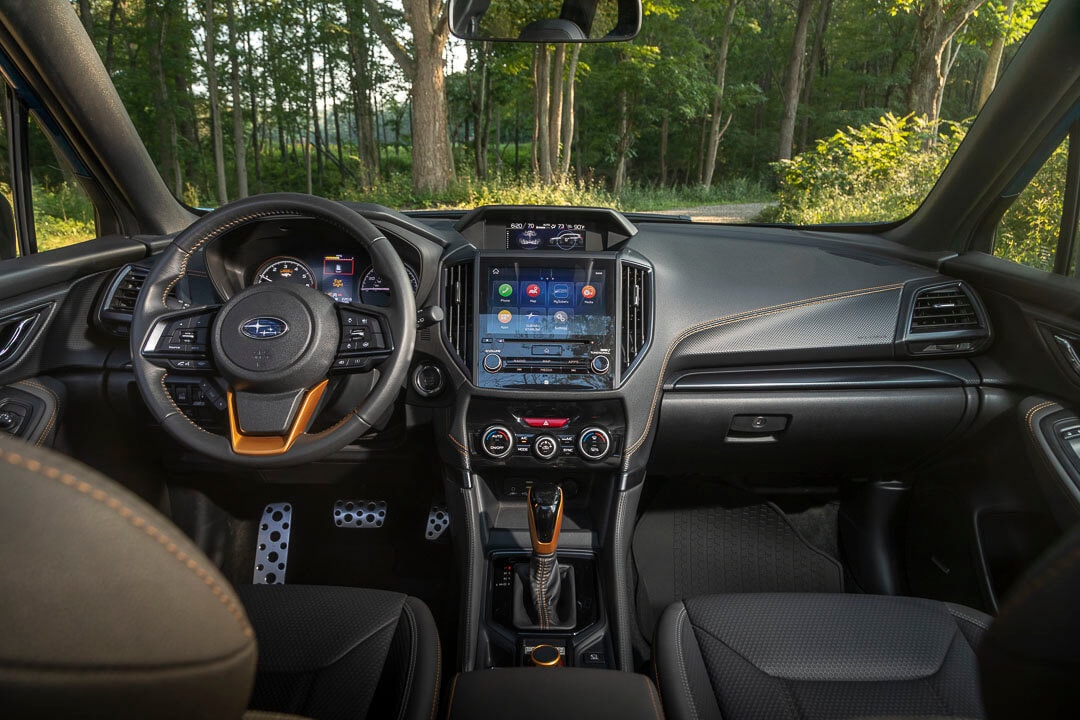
118 304
946 319
458 301
635 312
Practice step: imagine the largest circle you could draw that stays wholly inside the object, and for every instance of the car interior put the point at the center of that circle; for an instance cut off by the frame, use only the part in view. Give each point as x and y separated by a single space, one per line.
301 457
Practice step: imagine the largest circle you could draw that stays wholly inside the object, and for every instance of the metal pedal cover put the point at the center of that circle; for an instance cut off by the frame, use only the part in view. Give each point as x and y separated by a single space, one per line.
272 550
361 514
438 521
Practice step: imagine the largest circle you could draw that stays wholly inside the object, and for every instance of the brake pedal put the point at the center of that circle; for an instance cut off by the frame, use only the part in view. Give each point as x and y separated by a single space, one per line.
438 521
360 514
272 550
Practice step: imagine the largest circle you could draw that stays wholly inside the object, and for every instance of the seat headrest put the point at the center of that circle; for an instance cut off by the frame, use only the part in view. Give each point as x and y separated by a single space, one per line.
106 609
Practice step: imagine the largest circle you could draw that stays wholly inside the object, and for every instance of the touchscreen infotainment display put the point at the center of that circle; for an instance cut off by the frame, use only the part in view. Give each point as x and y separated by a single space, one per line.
546 323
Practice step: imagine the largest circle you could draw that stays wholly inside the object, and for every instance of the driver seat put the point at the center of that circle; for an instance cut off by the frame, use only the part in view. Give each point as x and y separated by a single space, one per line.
108 611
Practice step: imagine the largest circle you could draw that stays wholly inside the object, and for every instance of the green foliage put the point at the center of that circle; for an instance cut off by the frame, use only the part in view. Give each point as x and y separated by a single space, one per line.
1028 233
876 172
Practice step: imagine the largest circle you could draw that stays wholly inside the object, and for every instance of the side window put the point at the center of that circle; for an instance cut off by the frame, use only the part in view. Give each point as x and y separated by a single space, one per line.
42 204
1039 228
63 213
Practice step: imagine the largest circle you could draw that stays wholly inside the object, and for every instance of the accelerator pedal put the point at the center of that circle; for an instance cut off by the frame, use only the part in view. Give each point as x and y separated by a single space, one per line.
360 514
272 550
438 521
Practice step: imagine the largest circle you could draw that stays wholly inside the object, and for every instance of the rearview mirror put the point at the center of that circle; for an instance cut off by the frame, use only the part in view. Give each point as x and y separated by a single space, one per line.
546 21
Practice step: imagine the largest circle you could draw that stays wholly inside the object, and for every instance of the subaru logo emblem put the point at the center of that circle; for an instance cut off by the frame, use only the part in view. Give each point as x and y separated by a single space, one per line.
264 328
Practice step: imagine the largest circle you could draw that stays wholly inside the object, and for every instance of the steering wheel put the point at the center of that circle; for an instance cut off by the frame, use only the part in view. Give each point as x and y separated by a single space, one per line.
276 345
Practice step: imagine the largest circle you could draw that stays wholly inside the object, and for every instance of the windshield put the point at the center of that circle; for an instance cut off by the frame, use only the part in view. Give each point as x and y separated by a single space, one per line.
801 112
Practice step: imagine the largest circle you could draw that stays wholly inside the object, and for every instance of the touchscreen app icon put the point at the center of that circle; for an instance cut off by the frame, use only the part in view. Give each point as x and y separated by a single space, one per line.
505 316
533 290
560 291
506 290
588 292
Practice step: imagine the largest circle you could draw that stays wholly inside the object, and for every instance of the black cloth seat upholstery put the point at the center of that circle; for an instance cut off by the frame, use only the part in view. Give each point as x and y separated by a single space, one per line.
333 652
818 656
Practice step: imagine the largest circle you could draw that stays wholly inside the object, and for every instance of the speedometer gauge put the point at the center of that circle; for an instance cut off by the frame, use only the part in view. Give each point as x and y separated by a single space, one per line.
374 290
285 269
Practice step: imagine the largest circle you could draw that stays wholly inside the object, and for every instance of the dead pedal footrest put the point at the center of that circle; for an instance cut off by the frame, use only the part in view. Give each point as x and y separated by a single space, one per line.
359 514
272 549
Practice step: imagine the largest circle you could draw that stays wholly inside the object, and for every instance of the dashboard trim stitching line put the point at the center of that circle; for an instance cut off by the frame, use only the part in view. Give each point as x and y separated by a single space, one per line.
622 603
731 320
52 416
1029 418
95 493
470 631
461 448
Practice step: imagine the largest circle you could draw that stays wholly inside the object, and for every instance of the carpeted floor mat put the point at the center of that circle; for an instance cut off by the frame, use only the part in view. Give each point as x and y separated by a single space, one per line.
734 544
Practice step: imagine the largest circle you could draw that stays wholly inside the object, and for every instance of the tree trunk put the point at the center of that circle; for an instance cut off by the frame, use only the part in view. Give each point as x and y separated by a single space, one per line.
256 131
623 142
715 130
555 111
111 35
239 149
537 49
993 61
664 126
156 32
86 17
793 79
820 25
543 109
934 28
215 106
568 110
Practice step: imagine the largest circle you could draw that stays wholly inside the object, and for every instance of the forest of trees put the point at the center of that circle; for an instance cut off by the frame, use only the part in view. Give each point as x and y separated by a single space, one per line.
367 98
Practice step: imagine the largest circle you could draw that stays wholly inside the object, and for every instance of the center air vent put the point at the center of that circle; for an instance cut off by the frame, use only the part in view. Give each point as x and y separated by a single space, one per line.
946 319
458 301
635 312
118 305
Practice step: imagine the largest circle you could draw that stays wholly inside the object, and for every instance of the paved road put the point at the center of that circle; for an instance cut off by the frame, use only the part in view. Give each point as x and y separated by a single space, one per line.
719 213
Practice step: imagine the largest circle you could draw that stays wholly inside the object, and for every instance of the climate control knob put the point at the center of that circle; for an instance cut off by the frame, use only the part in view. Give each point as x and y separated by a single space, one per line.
497 442
493 363
545 447
594 443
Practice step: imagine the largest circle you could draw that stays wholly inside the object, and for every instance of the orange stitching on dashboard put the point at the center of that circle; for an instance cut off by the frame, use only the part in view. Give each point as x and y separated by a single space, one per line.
52 415
1029 418
137 521
731 320
460 446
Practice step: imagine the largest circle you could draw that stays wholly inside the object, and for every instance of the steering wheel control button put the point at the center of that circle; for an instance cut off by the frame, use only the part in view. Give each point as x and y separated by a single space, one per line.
497 442
600 364
553 423
594 443
545 447
493 362
272 549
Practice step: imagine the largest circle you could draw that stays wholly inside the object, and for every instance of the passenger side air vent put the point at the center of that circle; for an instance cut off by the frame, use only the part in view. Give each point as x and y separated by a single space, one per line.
635 312
458 301
118 305
946 319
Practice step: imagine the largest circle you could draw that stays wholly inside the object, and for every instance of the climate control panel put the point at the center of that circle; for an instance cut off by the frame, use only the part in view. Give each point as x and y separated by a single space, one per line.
572 434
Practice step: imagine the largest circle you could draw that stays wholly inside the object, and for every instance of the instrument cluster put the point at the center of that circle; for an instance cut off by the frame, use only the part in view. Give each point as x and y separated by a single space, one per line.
344 277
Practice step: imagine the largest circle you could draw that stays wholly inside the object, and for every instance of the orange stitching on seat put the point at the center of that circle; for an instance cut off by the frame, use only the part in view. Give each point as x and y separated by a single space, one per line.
652 696
731 320
128 514
453 689
438 672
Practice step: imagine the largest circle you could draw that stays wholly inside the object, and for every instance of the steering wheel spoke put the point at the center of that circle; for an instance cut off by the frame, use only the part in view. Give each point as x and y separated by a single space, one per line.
366 340
180 341
269 424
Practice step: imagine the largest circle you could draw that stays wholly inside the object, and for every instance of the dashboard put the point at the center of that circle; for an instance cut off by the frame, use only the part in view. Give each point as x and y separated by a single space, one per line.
337 274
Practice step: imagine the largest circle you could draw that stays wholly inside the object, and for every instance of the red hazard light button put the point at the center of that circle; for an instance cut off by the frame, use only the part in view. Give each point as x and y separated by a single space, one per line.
546 422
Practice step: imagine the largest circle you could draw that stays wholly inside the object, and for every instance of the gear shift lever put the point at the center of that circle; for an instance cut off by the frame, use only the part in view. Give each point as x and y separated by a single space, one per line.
550 603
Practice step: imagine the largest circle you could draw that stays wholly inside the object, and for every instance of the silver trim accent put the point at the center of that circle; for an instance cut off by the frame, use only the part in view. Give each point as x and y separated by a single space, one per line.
581 437
16 337
272 548
438 522
359 514
509 447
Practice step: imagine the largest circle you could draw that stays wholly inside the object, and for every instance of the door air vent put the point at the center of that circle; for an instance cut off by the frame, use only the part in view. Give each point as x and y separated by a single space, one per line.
946 319
458 301
118 305
635 312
